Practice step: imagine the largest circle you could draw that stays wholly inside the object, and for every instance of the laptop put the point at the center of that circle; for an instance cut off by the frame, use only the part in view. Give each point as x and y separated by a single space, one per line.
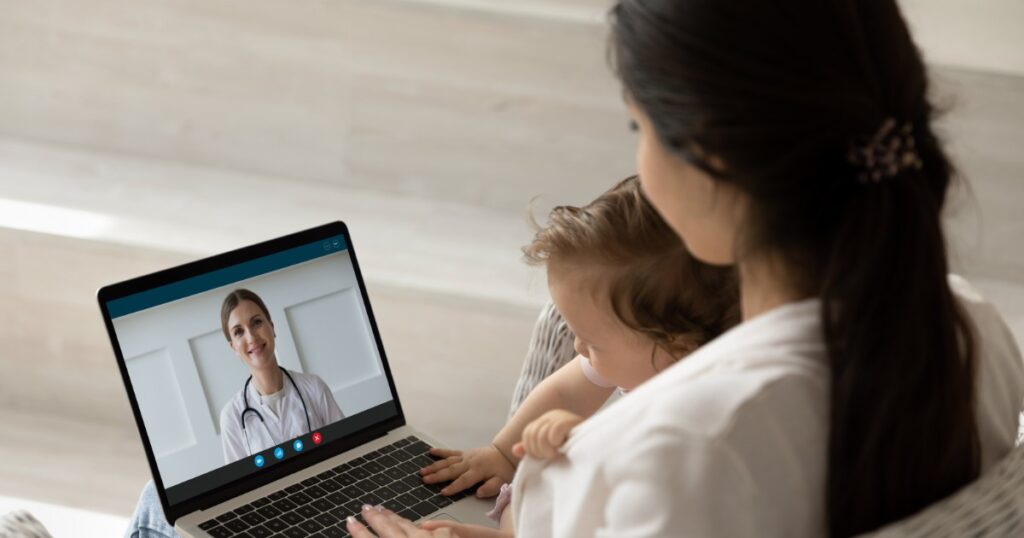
332 438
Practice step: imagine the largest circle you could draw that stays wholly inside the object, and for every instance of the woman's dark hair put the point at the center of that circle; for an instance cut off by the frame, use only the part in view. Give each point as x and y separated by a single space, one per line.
231 302
777 91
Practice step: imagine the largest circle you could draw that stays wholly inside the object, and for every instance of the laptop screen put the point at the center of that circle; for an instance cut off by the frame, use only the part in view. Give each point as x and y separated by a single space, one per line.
249 361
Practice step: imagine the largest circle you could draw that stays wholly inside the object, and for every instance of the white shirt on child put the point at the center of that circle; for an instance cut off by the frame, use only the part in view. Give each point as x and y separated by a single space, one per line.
731 441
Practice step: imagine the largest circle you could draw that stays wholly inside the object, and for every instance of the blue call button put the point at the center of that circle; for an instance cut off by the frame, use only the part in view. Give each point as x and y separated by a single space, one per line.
297 445
279 453
259 461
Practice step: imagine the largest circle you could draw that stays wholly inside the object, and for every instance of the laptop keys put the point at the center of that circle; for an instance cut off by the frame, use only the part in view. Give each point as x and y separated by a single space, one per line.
292 518
315 492
318 506
330 485
300 498
253 518
220 532
260 531
284 505
322 505
276 525
277 495
307 511
268 512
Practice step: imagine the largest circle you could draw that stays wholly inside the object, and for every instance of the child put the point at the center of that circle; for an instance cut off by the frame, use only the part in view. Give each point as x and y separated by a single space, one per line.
636 302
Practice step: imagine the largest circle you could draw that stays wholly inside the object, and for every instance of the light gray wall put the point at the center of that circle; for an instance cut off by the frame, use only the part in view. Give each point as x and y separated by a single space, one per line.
474 102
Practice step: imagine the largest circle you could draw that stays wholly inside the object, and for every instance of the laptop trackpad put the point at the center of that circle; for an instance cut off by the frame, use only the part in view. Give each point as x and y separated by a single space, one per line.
445 517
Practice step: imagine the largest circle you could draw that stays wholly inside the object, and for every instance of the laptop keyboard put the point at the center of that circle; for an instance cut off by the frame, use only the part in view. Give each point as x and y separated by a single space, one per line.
318 506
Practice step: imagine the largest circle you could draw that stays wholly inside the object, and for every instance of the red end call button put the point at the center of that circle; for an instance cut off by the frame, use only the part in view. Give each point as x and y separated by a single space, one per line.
317 438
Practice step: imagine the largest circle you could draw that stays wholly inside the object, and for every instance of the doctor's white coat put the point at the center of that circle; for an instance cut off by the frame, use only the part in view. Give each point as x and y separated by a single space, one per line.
274 430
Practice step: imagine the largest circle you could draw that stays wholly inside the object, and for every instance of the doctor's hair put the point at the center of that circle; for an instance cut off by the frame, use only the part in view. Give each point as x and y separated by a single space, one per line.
654 286
778 92
231 302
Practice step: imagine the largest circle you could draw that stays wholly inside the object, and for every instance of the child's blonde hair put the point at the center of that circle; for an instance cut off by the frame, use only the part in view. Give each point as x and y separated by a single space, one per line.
655 286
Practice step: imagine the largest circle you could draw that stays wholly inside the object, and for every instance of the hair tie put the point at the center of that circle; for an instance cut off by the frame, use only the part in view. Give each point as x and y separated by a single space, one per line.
887 153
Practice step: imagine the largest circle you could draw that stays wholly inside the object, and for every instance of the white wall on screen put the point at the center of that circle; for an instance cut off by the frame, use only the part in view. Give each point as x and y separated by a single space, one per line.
158 396
340 354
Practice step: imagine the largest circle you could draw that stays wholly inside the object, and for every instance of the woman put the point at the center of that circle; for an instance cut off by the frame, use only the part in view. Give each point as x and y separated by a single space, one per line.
793 140
274 405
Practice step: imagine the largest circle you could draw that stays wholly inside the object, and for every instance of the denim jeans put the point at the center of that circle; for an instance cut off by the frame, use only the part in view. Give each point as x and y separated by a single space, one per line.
148 521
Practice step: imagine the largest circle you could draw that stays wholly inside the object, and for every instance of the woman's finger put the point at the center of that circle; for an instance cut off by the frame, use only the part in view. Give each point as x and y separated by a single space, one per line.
382 523
357 529
518 450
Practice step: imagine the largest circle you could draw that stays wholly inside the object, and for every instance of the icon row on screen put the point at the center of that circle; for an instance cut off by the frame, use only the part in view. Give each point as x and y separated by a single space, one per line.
279 453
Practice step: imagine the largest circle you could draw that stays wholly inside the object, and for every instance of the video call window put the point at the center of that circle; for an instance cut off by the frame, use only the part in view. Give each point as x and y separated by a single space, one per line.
225 372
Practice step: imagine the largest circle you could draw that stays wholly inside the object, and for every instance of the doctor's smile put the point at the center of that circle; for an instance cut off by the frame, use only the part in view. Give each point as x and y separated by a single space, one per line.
258 349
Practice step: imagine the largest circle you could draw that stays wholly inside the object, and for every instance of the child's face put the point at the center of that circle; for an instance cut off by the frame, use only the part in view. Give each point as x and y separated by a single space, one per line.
619 354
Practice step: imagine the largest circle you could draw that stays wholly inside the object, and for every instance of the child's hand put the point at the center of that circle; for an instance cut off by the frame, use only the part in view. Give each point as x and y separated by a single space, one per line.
543 437
484 464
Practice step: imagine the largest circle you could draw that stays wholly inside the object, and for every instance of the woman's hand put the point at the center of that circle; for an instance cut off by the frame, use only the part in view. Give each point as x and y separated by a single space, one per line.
543 437
484 464
387 524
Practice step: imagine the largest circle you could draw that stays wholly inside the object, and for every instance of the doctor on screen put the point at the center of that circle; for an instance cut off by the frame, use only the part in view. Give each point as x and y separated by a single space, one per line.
273 405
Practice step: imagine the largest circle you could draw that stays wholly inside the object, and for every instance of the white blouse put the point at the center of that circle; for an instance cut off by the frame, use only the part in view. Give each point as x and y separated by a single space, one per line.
731 441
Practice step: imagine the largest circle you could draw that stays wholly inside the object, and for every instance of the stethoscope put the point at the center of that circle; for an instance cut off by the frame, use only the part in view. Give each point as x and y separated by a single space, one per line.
247 409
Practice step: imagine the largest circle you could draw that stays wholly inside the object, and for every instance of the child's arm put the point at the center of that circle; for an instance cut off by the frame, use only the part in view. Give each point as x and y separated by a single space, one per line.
543 437
568 388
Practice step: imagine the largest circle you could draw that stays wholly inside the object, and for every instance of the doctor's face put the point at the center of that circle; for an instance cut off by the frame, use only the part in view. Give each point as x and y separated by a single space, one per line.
252 336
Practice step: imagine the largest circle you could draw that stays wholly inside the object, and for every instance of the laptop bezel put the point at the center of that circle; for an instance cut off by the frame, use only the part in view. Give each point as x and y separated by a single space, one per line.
260 477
